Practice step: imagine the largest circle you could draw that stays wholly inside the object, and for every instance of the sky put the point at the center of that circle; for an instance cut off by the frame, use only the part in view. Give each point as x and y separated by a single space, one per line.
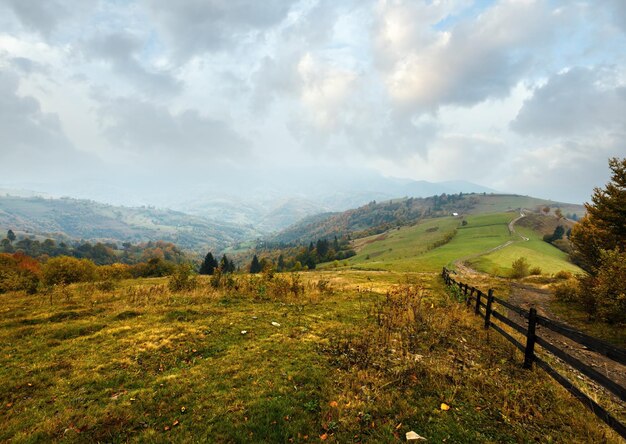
521 96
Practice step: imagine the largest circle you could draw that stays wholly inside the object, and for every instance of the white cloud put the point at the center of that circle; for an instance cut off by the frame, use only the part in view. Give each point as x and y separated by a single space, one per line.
33 142
474 60
192 27
513 94
152 132
577 101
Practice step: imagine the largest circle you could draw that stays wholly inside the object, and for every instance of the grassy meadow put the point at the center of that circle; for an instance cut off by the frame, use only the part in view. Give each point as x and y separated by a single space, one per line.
352 356
419 251
537 252
434 243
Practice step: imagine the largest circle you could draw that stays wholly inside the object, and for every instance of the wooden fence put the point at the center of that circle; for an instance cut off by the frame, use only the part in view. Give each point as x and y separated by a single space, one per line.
486 305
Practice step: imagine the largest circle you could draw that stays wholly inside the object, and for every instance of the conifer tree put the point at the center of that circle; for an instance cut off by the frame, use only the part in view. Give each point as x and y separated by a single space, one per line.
604 226
255 266
209 264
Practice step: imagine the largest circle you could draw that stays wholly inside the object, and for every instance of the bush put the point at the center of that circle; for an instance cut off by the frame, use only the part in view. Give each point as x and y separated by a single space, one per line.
563 275
155 267
520 268
535 271
183 278
19 272
567 291
65 270
115 272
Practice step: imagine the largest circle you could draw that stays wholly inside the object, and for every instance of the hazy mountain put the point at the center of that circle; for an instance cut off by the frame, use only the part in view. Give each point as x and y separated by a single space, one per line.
267 199
288 196
89 220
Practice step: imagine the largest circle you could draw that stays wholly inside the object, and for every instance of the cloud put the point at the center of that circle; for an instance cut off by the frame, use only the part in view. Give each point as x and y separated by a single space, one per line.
33 141
565 170
578 101
121 50
617 11
196 26
477 58
45 17
154 133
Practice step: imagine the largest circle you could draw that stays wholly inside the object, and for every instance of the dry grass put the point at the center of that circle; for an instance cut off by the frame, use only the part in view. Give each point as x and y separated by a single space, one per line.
141 363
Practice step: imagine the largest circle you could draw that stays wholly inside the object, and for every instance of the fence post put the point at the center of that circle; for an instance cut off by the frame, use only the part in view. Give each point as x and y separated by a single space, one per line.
529 353
468 301
478 295
488 310
465 291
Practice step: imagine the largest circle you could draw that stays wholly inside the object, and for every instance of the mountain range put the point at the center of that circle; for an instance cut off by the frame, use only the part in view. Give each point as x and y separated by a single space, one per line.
198 220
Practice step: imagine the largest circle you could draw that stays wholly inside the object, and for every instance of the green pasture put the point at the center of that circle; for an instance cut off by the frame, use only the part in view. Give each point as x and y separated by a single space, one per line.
537 252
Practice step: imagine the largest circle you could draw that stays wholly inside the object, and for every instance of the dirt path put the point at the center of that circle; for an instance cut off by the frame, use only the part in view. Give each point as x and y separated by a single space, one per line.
512 225
527 296
459 263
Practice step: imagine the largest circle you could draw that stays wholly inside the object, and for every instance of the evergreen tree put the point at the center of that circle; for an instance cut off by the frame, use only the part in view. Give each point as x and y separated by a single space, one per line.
209 264
322 248
281 263
604 226
11 236
224 264
255 266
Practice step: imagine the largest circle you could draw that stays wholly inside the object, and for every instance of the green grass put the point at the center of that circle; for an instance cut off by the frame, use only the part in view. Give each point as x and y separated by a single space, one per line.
396 249
480 234
410 248
538 253
175 367
499 203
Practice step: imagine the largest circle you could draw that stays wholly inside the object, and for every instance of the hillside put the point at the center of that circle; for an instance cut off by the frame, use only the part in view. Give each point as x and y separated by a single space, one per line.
377 217
434 243
294 358
82 219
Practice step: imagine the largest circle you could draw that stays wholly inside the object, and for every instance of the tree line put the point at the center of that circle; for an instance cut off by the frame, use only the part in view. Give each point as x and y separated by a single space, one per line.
101 253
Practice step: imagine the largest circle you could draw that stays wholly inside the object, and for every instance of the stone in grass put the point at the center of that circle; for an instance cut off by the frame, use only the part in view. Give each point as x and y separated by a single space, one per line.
243 332
414 437
275 324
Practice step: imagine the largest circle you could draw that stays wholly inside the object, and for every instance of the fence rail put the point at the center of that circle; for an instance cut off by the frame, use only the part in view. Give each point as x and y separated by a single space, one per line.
484 305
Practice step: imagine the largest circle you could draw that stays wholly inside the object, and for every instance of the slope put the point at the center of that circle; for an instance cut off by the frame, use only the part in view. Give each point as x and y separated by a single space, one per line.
485 241
377 217
88 220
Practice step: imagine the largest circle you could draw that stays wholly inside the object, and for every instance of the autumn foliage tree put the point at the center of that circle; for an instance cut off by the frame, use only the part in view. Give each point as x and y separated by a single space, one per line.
19 272
64 270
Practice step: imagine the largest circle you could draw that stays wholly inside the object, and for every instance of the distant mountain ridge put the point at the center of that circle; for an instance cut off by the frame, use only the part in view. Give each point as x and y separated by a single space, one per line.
278 210
376 217
88 220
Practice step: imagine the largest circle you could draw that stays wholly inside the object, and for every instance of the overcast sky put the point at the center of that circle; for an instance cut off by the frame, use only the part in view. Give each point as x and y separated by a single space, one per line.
521 96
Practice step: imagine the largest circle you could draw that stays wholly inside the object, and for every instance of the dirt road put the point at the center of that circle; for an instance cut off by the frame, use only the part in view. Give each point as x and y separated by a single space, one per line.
527 296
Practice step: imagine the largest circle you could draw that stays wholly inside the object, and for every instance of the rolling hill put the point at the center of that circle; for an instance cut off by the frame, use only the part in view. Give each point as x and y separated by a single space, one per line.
484 241
83 219
377 217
